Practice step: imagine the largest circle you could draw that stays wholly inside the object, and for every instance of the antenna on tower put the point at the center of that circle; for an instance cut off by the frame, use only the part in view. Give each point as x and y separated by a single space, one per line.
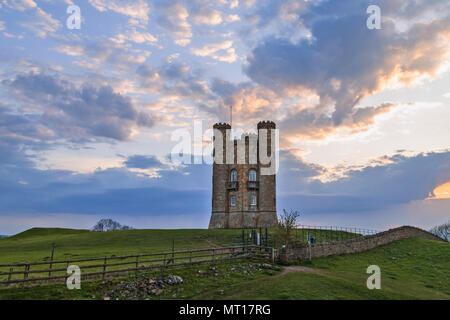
231 116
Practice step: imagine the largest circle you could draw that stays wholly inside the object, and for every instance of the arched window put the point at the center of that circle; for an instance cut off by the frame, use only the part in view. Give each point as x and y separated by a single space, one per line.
252 175
233 201
233 175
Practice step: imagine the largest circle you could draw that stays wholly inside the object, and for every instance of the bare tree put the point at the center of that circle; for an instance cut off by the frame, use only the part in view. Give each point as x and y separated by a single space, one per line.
284 230
109 225
442 231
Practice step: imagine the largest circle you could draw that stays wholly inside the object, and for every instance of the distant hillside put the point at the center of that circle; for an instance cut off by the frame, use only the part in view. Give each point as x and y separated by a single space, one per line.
40 232
3 236
36 244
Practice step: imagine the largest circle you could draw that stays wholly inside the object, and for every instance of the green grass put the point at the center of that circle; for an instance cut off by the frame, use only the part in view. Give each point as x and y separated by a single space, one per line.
195 286
410 269
35 244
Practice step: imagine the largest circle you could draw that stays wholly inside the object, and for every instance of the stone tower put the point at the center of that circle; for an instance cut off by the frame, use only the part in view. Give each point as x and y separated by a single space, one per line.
244 195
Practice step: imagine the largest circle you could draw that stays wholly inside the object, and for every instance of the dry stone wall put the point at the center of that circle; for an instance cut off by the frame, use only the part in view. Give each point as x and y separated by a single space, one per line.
355 245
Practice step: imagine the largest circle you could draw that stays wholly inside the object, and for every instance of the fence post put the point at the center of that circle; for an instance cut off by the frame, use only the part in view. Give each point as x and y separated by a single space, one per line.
104 269
137 265
51 259
27 269
190 257
10 273
67 267
267 239
260 238
213 256
173 251
164 264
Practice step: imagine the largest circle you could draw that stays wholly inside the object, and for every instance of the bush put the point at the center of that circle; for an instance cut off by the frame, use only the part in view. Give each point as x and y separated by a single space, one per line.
442 231
109 225
284 230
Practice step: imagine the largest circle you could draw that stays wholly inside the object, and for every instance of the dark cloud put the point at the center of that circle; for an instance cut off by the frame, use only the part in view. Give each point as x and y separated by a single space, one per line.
187 189
313 126
77 113
399 180
117 191
143 162
176 79
344 61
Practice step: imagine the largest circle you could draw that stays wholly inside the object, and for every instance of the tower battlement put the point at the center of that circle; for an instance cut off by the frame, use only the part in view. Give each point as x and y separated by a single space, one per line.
221 125
266 125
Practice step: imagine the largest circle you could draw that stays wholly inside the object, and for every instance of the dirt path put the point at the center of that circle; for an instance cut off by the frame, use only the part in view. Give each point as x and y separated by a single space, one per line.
286 270
293 269
212 244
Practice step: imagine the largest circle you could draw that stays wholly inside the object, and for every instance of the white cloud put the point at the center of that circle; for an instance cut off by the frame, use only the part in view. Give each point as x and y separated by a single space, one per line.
43 25
221 51
182 42
174 19
232 18
9 35
135 36
249 3
40 24
137 11
116 54
172 57
207 16
20 4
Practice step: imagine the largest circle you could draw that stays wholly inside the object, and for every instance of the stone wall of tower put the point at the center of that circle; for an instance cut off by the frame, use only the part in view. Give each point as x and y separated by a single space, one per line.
219 212
243 214
267 184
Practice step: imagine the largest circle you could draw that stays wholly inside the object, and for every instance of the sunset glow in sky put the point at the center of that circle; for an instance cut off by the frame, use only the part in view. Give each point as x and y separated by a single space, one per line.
86 116
442 192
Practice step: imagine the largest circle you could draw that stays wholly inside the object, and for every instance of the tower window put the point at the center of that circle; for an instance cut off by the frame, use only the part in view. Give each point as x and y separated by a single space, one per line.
252 175
253 200
233 201
233 175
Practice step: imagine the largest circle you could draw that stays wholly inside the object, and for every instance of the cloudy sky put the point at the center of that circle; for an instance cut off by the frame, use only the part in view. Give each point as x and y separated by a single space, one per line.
87 115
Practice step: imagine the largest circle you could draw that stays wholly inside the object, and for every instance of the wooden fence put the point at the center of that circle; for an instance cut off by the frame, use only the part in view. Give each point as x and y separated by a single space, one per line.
104 266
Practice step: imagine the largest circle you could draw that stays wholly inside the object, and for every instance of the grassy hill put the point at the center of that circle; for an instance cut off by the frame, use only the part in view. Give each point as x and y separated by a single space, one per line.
410 269
36 244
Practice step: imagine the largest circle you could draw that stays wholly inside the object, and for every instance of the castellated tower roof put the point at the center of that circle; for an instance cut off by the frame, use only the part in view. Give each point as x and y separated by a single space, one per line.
261 125
266 125
222 125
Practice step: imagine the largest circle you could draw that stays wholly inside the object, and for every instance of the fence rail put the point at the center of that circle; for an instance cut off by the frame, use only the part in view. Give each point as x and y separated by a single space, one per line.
56 270
303 233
